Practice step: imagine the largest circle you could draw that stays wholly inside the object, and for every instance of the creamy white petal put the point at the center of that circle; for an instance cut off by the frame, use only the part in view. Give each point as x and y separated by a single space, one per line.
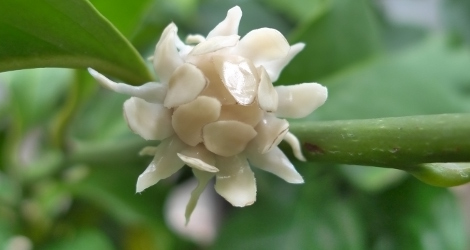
152 121
295 145
189 119
167 58
203 178
298 101
215 43
195 39
263 45
227 138
199 157
186 83
149 151
267 95
164 164
151 91
215 88
235 181
271 131
250 114
276 162
239 76
275 67
229 26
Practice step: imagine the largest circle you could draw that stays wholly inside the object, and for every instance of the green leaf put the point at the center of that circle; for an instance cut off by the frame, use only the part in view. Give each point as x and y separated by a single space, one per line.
430 78
124 15
417 216
31 102
456 15
343 36
83 239
311 216
372 179
301 10
71 34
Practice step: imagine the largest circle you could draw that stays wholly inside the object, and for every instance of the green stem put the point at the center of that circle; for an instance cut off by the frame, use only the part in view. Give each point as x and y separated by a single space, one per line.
400 142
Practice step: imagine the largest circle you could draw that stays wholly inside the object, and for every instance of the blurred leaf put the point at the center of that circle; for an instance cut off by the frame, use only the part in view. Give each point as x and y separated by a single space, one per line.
430 78
31 101
10 192
344 36
314 218
158 15
372 179
83 239
301 10
457 17
55 33
417 216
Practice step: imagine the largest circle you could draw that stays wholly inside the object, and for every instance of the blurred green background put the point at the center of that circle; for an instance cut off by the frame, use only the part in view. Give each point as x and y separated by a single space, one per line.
69 163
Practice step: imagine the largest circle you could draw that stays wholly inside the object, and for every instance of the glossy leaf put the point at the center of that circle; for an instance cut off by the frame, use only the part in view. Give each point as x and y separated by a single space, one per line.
71 34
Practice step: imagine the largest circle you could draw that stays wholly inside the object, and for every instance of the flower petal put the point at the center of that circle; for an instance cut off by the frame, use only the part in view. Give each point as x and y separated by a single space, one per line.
164 164
267 95
239 76
150 92
275 67
195 39
189 119
149 151
263 45
166 58
250 114
236 181
229 26
152 121
215 88
199 157
186 83
276 162
203 178
227 138
295 145
298 101
215 43
271 131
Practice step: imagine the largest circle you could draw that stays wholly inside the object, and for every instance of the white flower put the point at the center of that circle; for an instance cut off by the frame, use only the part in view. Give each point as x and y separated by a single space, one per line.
216 109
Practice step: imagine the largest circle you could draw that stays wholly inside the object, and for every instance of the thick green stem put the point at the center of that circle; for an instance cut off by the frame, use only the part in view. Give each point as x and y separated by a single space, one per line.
401 142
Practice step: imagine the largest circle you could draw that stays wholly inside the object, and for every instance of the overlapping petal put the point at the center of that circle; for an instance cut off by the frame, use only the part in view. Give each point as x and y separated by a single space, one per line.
150 92
263 45
151 121
229 26
276 162
275 67
186 83
199 157
298 101
164 164
267 95
239 76
215 43
203 178
189 119
166 58
271 131
235 181
227 138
